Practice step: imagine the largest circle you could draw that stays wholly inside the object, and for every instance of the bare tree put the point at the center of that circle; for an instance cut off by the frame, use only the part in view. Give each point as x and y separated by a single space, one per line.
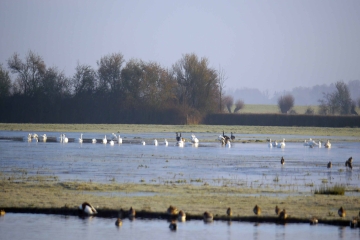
84 80
109 72
29 72
239 105
338 102
5 83
285 103
221 83
228 102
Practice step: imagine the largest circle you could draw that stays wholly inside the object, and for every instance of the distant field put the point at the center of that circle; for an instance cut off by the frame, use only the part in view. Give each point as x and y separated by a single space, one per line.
257 108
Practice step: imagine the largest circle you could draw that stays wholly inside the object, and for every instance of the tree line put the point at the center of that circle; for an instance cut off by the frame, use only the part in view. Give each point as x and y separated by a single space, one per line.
117 91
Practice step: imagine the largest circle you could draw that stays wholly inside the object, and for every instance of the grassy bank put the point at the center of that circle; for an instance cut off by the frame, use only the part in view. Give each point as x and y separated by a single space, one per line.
194 200
139 128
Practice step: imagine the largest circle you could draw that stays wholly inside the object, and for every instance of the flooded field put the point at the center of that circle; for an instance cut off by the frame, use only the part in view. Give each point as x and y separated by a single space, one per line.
40 226
251 164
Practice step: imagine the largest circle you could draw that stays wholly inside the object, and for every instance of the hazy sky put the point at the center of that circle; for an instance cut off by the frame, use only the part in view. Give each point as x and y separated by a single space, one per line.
271 45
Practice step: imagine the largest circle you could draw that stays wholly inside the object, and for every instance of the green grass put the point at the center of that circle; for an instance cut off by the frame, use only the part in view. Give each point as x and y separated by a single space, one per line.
335 190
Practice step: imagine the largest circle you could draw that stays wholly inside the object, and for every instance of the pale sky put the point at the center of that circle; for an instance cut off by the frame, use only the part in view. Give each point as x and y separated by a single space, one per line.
272 45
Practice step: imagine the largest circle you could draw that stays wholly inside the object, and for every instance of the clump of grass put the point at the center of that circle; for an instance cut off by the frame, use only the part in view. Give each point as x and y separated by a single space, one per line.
335 190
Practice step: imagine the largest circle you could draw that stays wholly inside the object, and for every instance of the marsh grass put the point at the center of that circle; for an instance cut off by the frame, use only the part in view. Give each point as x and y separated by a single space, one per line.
334 190
192 199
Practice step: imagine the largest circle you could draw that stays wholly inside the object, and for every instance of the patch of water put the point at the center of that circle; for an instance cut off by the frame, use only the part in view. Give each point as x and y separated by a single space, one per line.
252 164
40 226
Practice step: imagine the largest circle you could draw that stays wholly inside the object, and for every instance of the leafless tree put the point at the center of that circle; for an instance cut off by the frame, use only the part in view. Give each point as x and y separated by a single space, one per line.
228 102
239 105
338 102
285 103
5 83
221 83
29 72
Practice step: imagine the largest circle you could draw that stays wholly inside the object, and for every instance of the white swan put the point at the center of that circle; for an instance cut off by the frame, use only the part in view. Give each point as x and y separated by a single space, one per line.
194 139
119 139
328 144
104 140
281 144
270 144
61 138
155 142
114 137
166 142
112 142
81 138
43 137
228 144
65 139
143 143
29 137
221 139
93 140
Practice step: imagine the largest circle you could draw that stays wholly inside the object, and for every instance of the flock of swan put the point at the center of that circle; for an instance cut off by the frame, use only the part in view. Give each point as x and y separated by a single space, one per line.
180 141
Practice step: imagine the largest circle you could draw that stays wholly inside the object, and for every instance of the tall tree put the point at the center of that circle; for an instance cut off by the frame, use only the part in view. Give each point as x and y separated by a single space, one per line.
337 102
84 81
109 71
5 82
221 83
197 83
29 72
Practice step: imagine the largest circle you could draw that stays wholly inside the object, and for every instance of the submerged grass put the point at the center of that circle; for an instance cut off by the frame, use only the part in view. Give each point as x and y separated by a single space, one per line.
334 190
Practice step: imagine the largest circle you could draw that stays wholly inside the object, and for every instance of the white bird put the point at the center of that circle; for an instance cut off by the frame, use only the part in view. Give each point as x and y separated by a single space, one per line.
105 140
155 142
43 137
166 142
65 139
143 143
86 208
112 142
194 139
270 144
281 144
119 139
81 139
114 137
328 144
61 138
275 144
29 137
93 140
228 144
221 139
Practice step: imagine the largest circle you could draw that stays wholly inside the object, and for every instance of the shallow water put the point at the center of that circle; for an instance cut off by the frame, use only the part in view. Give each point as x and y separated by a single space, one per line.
40 226
250 164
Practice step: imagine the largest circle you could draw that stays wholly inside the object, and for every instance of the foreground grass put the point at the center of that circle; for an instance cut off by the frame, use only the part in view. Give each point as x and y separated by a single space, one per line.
139 128
193 200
